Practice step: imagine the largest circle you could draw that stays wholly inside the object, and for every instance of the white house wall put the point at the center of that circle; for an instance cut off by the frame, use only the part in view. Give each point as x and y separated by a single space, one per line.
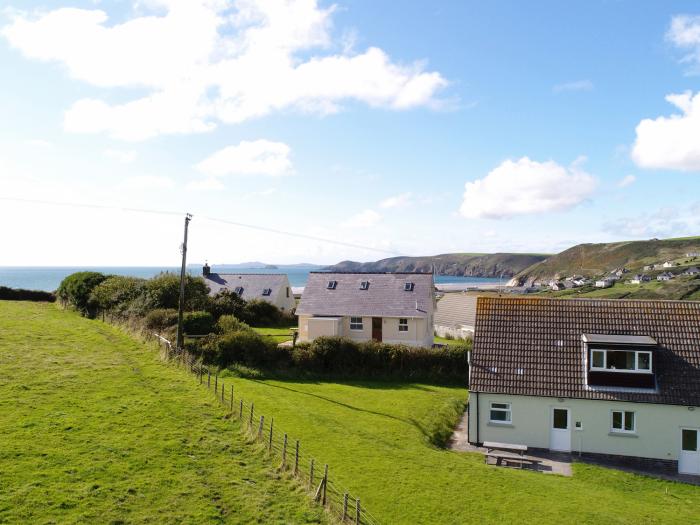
657 426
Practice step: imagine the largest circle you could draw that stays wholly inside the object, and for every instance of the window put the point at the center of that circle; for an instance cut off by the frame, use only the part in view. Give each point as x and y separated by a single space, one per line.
267 291
356 323
403 325
238 290
500 413
364 285
407 287
689 439
633 361
287 291
331 285
623 421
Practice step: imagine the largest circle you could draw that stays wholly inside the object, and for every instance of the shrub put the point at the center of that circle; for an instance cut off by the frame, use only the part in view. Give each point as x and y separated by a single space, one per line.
228 323
160 319
19 294
261 313
197 323
75 290
116 293
243 346
163 291
226 302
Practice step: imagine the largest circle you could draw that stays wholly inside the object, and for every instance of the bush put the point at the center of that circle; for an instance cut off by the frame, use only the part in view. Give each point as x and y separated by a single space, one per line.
244 346
226 302
197 323
116 293
261 313
160 319
19 294
76 289
228 323
163 291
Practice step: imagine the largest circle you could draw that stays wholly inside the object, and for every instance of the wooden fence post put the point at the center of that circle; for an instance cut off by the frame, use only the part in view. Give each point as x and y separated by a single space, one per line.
201 375
208 378
223 399
231 399
296 459
325 484
250 420
345 506
260 428
269 444
240 414
357 511
284 452
311 474
216 383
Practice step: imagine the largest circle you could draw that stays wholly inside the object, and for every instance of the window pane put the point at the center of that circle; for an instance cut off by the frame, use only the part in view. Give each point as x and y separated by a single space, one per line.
503 406
561 419
690 440
644 361
598 359
617 420
499 415
629 421
618 360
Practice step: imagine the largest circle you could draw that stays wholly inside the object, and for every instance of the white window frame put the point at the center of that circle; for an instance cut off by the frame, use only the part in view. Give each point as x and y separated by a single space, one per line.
623 430
636 369
508 410
356 326
403 324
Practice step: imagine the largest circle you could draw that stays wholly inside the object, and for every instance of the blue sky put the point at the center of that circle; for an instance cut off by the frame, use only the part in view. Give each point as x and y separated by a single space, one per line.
358 121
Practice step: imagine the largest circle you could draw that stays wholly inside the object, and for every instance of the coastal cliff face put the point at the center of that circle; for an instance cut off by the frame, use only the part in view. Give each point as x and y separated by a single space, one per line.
495 265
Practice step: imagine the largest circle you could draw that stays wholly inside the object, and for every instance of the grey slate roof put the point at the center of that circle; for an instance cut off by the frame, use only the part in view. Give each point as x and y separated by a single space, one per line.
253 284
533 346
385 296
455 309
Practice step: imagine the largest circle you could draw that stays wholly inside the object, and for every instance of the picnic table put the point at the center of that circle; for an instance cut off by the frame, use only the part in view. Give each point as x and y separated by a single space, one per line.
504 453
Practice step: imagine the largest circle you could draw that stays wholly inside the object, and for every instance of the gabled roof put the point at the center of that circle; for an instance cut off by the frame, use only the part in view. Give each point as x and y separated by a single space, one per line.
533 346
455 309
385 297
253 284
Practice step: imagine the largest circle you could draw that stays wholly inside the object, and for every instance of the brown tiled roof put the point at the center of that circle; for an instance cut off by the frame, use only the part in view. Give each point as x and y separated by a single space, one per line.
532 346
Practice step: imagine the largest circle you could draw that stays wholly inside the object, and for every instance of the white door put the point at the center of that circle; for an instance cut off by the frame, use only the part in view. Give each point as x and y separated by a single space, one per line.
560 430
689 460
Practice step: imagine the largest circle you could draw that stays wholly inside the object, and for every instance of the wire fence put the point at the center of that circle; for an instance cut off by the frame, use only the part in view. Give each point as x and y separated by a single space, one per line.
311 474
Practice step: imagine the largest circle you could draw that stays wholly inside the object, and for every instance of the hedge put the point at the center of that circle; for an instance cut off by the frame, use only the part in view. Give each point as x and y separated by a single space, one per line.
19 294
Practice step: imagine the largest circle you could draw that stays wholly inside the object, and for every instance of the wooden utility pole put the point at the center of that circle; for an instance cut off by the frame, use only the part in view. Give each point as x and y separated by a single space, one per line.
181 305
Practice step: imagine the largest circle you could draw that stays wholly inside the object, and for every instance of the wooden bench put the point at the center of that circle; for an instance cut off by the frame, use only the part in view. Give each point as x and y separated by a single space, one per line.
505 453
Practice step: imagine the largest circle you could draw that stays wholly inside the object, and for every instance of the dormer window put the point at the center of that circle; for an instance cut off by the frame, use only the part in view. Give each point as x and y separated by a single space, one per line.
238 290
331 285
267 291
626 361
408 287
364 285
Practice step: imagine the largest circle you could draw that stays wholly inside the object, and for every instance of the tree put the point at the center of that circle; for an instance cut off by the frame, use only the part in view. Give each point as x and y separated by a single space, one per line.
116 293
226 302
163 291
76 289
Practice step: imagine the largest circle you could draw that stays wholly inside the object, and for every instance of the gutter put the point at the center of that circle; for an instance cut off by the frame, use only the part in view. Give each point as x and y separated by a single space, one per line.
477 417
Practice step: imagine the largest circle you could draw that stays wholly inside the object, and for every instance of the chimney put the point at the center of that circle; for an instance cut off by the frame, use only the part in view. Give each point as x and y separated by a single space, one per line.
206 270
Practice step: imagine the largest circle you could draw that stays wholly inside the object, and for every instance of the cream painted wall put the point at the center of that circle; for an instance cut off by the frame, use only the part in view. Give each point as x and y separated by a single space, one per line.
418 333
284 302
658 432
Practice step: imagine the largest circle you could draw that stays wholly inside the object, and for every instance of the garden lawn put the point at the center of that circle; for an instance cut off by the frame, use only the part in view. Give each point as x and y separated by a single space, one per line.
95 429
278 335
373 436
445 341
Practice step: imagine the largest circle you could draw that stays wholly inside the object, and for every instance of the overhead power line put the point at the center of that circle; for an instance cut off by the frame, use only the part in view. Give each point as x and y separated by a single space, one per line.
212 219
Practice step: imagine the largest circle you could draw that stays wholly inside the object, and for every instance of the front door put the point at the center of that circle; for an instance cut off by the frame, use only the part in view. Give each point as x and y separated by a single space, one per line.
689 460
377 328
560 430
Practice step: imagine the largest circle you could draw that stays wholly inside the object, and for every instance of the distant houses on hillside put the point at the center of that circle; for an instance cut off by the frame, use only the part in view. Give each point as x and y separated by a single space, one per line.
272 288
665 276
640 278
388 307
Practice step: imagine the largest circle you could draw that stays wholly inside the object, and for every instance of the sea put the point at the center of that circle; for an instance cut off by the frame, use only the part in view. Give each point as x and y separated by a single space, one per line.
48 278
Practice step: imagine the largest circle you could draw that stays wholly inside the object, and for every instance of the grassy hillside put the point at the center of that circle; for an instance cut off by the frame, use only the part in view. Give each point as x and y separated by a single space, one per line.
376 437
463 264
96 430
681 288
596 259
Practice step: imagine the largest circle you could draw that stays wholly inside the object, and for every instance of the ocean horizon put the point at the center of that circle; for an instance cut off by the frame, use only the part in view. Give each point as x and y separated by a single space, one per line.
48 278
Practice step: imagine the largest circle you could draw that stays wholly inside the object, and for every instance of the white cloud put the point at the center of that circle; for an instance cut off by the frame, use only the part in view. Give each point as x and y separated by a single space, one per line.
148 182
207 184
627 180
237 63
685 34
125 157
673 142
396 201
364 219
664 222
259 157
525 187
578 85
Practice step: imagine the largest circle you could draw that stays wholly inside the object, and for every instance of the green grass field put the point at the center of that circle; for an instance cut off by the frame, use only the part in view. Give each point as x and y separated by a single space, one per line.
444 341
95 429
278 335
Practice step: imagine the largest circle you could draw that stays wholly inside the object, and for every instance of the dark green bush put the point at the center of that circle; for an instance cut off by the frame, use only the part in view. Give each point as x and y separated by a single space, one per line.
160 319
76 289
226 302
163 291
197 323
229 323
261 313
19 294
245 346
116 293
